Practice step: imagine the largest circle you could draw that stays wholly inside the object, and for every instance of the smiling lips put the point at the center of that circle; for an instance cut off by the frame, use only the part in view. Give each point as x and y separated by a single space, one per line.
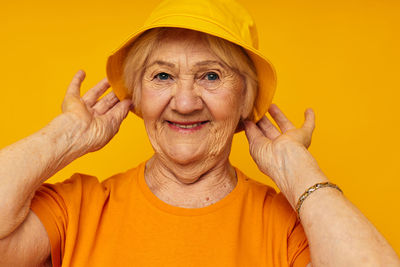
187 126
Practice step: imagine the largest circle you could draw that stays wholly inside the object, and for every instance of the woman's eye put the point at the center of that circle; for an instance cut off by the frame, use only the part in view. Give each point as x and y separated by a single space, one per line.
211 76
162 76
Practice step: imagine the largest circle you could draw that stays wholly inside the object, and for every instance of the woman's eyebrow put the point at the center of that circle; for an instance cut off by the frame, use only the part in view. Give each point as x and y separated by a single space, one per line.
210 62
162 63
197 64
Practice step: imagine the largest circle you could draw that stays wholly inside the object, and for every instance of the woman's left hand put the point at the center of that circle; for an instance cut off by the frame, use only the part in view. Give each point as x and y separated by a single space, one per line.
283 156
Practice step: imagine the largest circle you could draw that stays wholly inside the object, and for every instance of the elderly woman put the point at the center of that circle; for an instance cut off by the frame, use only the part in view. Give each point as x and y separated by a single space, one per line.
194 75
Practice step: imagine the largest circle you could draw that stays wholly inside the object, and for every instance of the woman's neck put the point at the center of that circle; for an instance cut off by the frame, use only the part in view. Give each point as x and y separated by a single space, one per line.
189 186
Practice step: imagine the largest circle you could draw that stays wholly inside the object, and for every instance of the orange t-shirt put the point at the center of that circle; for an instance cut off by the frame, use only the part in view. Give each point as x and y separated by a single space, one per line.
120 222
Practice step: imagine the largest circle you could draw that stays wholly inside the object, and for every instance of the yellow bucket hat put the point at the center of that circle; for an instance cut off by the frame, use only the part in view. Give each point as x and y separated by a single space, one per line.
222 18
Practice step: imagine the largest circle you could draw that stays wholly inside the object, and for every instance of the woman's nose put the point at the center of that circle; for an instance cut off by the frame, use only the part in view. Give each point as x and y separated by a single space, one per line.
185 98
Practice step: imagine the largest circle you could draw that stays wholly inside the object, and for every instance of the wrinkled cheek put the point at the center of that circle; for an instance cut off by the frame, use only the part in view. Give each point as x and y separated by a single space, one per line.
154 102
221 136
155 134
224 104
225 108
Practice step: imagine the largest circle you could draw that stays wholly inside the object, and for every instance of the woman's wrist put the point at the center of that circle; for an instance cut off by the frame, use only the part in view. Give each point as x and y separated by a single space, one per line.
297 171
300 184
66 133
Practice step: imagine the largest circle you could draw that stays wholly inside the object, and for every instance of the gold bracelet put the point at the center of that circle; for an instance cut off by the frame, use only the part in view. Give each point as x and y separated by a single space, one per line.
310 190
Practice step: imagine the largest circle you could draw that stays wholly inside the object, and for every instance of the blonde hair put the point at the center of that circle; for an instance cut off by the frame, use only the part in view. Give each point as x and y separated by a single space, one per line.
234 56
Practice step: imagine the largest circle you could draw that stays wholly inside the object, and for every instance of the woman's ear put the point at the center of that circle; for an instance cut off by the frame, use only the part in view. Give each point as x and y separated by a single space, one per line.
248 101
246 106
240 126
136 96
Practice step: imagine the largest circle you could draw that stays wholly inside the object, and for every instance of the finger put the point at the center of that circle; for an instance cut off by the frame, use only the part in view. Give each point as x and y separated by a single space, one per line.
93 94
280 118
118 113
309 121
252 131
74 87
268 129
104 104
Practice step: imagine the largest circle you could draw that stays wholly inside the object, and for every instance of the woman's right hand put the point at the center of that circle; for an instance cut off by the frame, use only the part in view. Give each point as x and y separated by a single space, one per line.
97 120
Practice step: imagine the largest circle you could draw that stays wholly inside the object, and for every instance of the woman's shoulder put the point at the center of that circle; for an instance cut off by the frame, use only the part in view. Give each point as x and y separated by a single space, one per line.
81 183
124 178
274 203
252 186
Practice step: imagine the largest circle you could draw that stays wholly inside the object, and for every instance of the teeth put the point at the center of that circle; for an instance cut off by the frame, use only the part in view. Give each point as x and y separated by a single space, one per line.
187 126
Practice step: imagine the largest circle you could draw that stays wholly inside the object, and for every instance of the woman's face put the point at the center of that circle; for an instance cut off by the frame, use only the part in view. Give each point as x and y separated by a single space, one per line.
190 100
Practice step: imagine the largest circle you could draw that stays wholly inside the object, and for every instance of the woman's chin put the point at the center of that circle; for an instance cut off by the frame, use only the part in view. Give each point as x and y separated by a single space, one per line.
186 154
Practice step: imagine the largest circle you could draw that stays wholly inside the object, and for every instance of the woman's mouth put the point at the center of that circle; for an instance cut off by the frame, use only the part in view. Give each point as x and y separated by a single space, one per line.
187 126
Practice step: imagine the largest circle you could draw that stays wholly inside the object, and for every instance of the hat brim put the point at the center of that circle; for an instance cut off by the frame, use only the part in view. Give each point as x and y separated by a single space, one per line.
265 71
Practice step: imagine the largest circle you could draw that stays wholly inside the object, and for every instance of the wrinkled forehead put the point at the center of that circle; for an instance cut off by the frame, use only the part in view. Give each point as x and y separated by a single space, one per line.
182 40
177 44
182 35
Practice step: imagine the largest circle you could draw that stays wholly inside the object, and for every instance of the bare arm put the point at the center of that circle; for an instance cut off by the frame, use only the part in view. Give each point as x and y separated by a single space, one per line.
25 165
86 125
338 233
28 245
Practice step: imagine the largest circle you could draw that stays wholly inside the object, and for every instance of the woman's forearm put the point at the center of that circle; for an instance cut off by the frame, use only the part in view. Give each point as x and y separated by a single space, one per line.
86 125
339 234
26 164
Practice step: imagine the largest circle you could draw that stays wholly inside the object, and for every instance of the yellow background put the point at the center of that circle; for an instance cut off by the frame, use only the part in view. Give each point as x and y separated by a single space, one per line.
339 57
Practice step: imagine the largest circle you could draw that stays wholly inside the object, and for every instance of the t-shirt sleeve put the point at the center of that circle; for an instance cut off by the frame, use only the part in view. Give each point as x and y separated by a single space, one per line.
57 206
286 221
298 250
